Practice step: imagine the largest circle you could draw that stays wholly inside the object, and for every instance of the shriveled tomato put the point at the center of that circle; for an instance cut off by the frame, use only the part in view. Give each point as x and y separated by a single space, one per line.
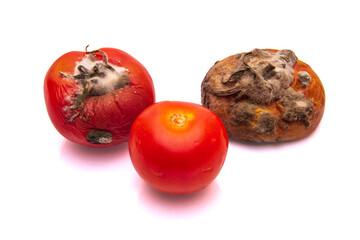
178 147
94 97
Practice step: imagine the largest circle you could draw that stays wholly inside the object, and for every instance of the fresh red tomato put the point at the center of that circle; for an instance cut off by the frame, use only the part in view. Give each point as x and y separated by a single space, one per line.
178 147
94 97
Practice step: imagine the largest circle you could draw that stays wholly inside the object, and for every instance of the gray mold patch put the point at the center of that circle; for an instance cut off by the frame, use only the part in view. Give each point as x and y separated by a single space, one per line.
296 106
242 113
304 79
266 123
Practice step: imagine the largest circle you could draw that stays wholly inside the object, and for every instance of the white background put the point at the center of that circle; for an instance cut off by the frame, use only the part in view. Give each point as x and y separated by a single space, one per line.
53 189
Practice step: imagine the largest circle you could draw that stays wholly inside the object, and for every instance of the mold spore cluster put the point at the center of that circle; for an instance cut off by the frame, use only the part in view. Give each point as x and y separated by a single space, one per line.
259 78
95 78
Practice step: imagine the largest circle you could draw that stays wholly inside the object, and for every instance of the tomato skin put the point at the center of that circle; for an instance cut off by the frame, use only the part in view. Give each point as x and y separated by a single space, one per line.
113 112
173 159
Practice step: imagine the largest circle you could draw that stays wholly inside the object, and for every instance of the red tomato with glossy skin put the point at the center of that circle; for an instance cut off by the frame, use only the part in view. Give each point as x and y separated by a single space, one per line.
93 98
178 147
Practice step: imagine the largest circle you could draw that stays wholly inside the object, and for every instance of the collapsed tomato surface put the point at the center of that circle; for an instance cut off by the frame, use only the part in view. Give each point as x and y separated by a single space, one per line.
93 98
178 147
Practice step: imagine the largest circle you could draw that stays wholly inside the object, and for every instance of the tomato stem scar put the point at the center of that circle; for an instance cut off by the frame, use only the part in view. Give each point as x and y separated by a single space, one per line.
178 119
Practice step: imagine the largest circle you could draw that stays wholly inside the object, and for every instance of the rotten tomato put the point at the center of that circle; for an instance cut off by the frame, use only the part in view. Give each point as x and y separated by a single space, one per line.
93 97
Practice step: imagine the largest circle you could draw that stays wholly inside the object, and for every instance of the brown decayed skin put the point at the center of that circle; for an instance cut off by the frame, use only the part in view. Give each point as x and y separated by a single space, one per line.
285 130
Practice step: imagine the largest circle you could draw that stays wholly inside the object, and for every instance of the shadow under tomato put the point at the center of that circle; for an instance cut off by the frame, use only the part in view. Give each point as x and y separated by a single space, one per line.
178 205
93 158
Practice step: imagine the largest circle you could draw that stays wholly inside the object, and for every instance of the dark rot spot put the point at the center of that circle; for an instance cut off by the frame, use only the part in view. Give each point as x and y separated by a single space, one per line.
99 137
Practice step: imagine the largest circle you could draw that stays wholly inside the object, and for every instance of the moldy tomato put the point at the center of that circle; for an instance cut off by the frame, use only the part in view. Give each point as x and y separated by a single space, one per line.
178 147
93 97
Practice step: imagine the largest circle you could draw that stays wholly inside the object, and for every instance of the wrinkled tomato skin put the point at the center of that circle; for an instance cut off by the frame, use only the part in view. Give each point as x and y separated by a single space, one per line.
113 112
173 159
